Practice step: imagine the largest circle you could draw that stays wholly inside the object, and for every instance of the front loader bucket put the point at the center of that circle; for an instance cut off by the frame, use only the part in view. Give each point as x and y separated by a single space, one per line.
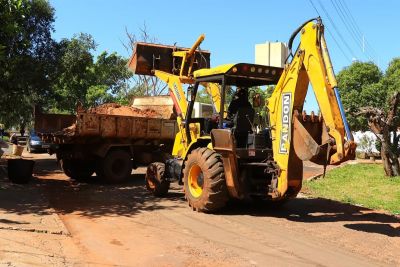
310 138
148 57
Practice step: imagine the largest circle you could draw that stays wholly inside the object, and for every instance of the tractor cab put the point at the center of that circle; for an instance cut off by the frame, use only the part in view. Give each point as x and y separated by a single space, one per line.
238 114
246 151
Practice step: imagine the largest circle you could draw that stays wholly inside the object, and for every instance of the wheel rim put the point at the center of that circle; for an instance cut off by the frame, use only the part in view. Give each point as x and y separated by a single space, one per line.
151 184
196 181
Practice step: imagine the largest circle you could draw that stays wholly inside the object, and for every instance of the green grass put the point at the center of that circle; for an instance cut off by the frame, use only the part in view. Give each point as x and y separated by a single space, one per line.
361 184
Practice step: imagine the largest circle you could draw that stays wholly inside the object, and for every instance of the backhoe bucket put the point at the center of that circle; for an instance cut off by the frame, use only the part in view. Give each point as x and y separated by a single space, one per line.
310 138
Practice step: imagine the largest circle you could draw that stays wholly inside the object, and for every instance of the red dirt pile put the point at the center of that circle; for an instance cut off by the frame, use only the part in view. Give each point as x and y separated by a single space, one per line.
70 130
116 109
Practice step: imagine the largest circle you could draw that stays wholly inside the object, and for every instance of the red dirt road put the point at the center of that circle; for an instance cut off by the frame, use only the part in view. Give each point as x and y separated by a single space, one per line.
123 225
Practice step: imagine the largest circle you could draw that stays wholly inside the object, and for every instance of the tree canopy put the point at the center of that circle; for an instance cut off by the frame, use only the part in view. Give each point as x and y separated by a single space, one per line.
85 80
37 70
27 57
372 101
360 86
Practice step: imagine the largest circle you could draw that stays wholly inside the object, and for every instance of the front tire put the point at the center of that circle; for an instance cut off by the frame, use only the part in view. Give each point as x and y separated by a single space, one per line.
155 180
115 167
204 180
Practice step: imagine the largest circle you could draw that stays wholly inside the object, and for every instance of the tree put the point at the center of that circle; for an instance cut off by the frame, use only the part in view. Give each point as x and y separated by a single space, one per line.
27 57
384 124
384 120
75 73
203 96
359 86
36 70
111 70
371 100
112 79
83 80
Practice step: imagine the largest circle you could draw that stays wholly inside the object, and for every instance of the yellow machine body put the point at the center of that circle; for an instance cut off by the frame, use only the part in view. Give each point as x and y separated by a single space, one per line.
295 136
310 64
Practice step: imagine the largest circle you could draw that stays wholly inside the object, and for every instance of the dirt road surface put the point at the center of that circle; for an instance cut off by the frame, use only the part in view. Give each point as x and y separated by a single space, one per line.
122 225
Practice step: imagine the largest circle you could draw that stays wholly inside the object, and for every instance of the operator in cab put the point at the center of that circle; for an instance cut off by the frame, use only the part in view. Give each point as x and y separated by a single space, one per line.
239 100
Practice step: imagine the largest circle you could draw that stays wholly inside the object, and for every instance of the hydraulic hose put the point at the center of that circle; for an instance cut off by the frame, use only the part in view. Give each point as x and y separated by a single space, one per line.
294 34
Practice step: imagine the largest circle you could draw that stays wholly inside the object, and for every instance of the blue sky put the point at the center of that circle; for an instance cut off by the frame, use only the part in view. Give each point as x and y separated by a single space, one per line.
233 27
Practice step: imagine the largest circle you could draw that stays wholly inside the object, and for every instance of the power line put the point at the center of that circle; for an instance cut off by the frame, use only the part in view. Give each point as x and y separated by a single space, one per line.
343 14
336 29
352 20
333 37
349 29
356 36
337 43
357 29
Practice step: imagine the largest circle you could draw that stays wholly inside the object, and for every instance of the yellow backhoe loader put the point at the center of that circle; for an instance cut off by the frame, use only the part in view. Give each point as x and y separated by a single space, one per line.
234 158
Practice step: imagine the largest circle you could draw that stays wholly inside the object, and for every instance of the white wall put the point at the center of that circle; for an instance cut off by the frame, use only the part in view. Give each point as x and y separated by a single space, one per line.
358 135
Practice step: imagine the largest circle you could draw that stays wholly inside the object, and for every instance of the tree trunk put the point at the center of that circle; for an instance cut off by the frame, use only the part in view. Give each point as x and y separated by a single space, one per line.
381 125
396 166
387 166
389 159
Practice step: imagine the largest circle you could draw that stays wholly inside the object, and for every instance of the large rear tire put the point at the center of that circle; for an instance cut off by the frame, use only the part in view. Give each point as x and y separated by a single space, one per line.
204 180
155 180
115 167
77 170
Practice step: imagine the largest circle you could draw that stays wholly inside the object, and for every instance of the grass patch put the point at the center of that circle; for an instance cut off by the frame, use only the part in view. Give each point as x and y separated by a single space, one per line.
361 184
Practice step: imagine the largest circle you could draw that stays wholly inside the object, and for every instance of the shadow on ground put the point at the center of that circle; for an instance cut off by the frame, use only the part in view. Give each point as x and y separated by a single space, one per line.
94 199
377 228
50 189
320 210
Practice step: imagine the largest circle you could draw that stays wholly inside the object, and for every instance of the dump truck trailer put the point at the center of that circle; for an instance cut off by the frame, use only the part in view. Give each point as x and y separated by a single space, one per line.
108 145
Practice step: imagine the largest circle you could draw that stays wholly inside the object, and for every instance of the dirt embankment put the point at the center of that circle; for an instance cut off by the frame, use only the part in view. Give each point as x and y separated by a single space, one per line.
116 109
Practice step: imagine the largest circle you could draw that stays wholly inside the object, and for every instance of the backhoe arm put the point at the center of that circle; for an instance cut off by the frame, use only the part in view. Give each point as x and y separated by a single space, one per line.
176 91
296 136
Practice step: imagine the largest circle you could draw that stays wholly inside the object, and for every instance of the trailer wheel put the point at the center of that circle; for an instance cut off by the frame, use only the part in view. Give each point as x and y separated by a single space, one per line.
115 167
77 170
155 180
204 180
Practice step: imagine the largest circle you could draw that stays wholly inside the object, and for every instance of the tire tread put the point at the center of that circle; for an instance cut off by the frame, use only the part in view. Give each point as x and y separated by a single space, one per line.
215 194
